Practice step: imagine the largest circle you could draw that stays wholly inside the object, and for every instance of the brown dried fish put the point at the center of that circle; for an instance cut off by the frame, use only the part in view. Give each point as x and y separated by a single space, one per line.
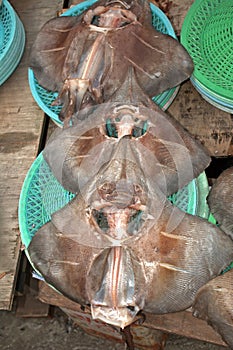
148 138
153 259
220 201
120 246
214 304
214 301
86 60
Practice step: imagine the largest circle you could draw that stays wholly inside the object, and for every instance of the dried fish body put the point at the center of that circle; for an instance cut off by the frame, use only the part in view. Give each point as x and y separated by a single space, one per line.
92 61
154 142
220 201
119 245
213 303
139 252
157 267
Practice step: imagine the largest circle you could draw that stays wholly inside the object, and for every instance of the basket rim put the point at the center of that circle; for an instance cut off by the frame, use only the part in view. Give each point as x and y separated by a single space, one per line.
11 64
225 103
213 103
79 6
220 104
191 16
166 96
13 16
22 213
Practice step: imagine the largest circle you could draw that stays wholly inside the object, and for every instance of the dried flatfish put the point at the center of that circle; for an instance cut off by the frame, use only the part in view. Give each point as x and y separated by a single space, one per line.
86 58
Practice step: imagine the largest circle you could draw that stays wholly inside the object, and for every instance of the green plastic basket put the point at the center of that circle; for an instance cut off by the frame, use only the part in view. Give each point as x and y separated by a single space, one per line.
207 34
42 195
44 98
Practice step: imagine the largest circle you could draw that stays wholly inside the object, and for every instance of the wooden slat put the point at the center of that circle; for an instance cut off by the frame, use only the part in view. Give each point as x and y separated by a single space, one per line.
20 128
181 323
210 125
28 305
184 324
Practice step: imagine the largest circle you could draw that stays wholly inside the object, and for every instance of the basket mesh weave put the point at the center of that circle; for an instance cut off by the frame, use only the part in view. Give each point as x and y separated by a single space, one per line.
42 195
45 98
12 40
6 27
207 34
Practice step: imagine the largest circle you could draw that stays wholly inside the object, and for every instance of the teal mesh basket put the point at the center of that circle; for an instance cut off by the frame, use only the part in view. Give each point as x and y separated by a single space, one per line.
44 98
12 40
207 34
42 195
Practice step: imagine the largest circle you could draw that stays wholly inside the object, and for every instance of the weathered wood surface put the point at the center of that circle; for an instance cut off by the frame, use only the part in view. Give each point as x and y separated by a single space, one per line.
20 129
212 126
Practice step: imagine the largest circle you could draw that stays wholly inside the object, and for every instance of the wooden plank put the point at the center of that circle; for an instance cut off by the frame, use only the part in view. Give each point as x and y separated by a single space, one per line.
20 128
210 125
181 323
143 338
184 324
28 304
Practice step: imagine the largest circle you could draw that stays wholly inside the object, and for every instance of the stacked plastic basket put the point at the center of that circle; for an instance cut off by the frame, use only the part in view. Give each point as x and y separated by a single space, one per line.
45 98
207 34
12 40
